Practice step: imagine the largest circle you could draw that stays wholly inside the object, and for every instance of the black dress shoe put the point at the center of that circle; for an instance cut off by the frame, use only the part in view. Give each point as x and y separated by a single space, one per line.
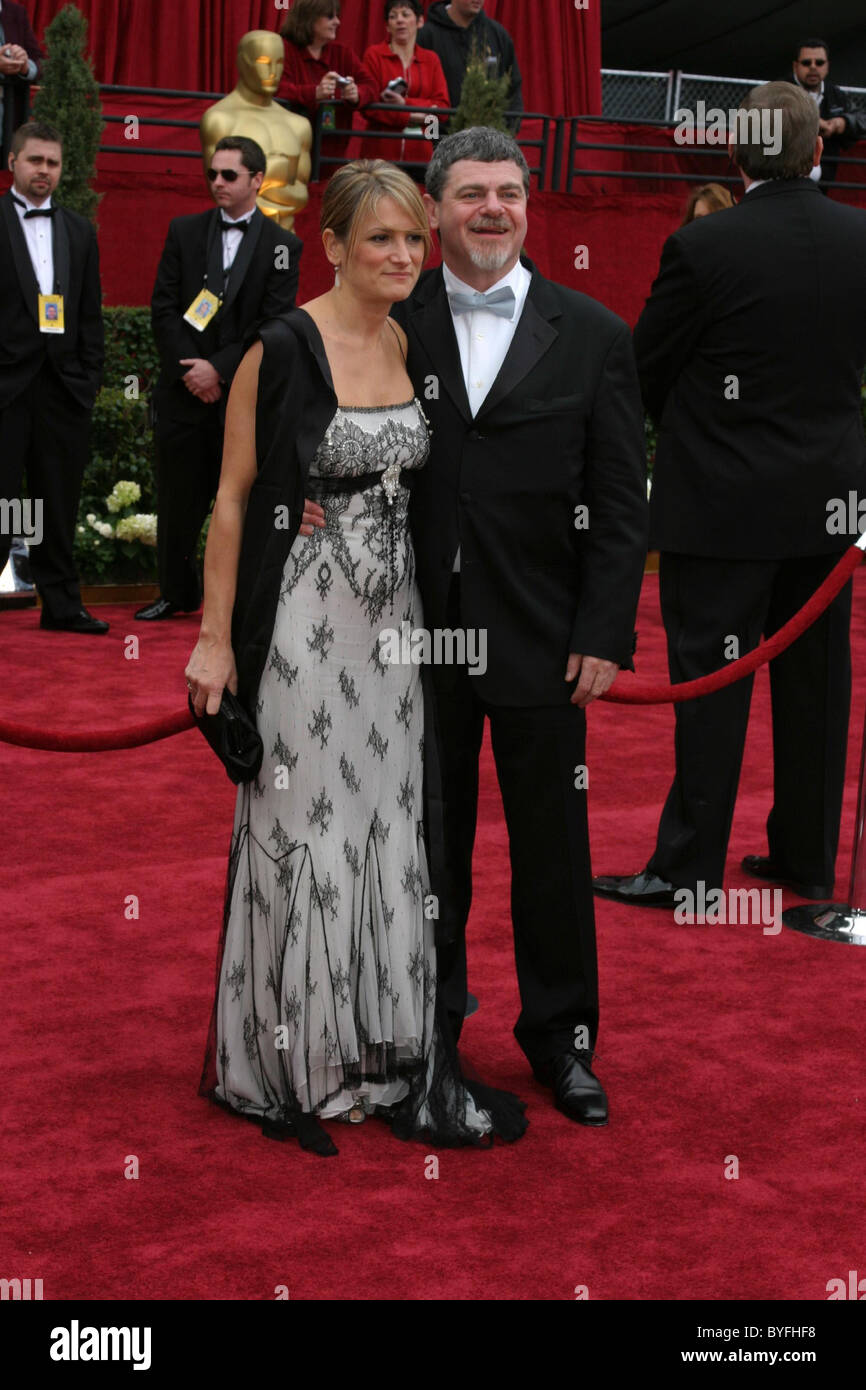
762 866
82 621
577 1092
643 890
162 608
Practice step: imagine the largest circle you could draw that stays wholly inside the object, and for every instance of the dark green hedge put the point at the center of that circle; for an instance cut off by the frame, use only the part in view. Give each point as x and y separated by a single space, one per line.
121 448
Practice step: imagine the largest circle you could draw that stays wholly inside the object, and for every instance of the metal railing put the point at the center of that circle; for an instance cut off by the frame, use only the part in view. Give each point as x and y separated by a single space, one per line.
700 153
632 95
554 156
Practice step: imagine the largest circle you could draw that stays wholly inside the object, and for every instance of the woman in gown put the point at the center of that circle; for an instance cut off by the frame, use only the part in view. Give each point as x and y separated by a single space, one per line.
326 993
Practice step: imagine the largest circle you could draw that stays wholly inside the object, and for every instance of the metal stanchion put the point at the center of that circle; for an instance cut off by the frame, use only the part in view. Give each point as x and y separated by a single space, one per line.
841 921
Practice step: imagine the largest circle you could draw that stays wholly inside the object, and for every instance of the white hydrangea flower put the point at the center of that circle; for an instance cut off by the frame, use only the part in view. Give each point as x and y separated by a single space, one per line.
141 527
123 494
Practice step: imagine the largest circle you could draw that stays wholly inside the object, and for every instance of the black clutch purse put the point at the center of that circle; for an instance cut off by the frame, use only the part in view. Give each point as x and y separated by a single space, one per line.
233 737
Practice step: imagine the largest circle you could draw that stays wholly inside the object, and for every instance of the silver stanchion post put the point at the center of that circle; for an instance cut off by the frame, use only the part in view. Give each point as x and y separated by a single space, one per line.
842 921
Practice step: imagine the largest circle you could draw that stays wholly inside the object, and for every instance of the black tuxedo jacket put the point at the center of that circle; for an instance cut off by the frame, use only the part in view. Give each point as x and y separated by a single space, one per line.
256 290
76 355
750 351
561 428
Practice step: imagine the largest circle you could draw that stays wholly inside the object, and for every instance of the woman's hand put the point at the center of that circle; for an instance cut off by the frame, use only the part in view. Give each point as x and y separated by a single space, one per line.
350 92
210 669
327 87
393 98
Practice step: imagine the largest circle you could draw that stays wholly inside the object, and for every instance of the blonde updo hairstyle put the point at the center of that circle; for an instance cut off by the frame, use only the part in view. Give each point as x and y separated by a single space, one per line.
354 193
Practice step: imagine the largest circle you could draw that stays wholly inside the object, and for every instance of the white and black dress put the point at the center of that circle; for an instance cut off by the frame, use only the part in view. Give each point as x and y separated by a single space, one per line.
327 992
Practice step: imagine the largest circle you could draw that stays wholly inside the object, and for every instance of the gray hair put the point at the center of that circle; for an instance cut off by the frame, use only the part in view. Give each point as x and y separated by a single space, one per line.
798 115
481 143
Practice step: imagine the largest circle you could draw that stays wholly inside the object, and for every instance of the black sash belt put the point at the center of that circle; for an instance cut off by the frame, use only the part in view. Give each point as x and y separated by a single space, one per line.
331 485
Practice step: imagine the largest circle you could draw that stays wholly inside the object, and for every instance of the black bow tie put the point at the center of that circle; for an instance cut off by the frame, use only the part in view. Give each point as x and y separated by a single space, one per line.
32 212
234 226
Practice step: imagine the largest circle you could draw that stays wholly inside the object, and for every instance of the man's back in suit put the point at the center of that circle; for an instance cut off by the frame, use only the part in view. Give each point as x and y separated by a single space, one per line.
750 352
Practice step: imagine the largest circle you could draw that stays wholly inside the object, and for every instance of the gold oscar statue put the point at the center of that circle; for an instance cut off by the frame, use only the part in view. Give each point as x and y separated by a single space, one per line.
251 110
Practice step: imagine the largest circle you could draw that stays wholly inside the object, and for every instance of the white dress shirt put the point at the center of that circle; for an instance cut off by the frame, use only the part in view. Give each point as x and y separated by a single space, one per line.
484 337
232 240
39 235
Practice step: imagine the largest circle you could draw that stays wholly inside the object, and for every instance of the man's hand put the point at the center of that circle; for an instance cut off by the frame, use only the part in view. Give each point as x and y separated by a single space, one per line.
313 517
202 379
13 60
596 677
836 126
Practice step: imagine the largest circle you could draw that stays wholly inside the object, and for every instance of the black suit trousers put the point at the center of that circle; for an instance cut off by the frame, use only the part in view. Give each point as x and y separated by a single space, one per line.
45 438
536 751
704 603
188 460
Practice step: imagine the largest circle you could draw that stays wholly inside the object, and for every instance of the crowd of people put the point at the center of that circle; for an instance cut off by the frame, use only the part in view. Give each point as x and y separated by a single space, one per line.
508 504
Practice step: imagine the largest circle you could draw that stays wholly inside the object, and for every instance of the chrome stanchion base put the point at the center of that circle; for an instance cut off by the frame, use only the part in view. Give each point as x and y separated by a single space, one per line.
828 922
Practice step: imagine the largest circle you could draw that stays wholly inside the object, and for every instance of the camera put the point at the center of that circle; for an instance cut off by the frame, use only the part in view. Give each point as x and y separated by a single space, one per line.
398 85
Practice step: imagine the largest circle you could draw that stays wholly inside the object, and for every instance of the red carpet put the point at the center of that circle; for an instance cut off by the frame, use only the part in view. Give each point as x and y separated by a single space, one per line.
715 1041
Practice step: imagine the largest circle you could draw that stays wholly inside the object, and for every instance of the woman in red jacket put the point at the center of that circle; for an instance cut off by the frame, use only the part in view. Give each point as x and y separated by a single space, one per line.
317 69
398 58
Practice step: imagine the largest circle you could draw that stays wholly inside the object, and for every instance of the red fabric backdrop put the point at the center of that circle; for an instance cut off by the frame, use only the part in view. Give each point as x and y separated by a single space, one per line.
189 45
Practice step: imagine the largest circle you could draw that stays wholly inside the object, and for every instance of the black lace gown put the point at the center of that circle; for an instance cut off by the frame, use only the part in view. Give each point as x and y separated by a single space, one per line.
327 985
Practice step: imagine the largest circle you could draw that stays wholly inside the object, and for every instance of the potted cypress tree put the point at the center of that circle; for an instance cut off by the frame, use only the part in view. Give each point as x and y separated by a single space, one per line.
483 96
68 98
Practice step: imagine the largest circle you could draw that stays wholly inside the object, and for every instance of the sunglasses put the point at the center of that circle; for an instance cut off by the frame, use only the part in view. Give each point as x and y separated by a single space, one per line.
812 62
230 175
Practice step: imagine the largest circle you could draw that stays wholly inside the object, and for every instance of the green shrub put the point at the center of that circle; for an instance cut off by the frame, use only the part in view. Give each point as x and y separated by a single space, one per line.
68 98
129 348
483 99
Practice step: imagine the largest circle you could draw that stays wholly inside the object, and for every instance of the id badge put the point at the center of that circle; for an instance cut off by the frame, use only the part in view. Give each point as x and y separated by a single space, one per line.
51 313
203 310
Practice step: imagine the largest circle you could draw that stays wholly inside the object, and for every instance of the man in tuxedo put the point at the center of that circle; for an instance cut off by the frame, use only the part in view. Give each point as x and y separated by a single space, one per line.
221 272
530 527
750 350
51 357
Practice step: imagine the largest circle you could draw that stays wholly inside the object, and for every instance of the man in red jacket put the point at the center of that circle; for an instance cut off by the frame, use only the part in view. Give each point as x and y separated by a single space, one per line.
400 60
320 72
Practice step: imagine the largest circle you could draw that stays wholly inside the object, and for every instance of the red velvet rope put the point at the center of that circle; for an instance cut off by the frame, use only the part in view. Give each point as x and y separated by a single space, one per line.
648 693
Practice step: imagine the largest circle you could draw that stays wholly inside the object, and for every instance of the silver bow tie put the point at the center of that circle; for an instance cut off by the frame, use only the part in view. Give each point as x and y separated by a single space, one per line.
500 302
